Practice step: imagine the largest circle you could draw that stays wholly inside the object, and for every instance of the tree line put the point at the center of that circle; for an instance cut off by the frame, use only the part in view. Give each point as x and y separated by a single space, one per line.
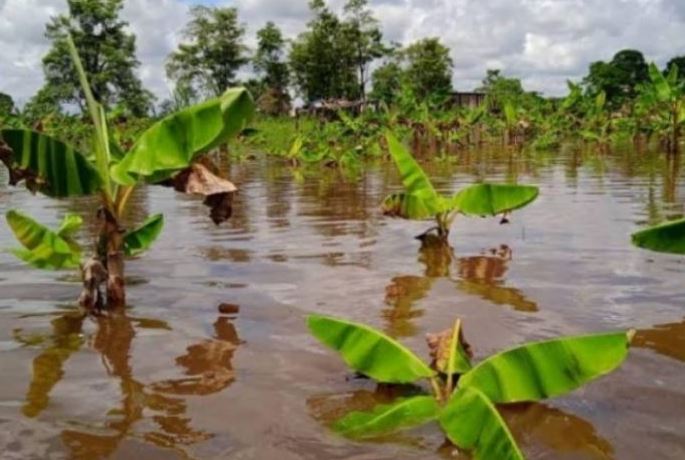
337 56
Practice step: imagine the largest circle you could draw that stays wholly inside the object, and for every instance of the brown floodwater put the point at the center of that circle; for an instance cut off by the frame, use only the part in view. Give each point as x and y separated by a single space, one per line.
177 377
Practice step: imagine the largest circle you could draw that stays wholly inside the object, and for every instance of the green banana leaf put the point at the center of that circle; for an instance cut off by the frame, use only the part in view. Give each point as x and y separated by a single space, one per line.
139 240
44 248
369 351
70 225
172 143
472 423
387 418
49 166
668 237
457 359
493 199
420 200
661 86
540 370
409 206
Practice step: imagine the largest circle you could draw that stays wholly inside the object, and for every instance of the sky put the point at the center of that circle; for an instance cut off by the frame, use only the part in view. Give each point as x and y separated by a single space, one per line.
542 42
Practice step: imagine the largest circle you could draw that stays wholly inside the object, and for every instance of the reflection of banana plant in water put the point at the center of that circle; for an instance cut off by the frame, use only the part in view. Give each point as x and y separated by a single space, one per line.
168 153
208 364
481 275
464 395
421 201
48 365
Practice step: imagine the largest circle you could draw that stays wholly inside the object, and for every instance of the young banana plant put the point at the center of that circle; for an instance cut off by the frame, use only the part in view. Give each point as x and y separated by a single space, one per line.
663 98
421 201
463 394
169 153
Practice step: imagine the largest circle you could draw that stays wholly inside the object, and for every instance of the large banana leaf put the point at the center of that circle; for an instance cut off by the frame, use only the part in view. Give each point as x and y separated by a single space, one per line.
545 369
44 248
668 237
48 165
386 418
172 143
420 200
369 351
472 423
139 240
492 199
661 86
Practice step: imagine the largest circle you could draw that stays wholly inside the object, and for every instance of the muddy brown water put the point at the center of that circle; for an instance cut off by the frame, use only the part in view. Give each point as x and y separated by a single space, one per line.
174 377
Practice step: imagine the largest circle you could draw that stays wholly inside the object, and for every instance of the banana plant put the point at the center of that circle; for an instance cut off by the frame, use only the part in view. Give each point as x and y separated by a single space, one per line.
668 237
421 201
463 394
663 98
169 153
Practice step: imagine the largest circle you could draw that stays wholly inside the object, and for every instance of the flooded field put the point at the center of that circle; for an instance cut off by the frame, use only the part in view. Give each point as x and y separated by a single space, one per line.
178 376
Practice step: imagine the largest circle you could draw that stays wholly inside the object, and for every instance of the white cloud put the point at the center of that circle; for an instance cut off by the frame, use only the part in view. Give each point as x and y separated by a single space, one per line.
544 42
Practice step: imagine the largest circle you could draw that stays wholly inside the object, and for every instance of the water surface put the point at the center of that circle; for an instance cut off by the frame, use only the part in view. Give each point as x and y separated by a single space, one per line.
174 377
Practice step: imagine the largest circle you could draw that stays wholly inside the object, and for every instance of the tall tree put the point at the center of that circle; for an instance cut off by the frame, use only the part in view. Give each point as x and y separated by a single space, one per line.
213 52
269 64
387 81
6 105
679 62
322 62
500 88
108 54
429 68
365 38
618 78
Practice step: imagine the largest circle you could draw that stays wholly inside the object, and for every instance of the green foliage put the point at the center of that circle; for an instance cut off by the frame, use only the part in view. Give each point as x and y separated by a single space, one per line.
322 60
471 422
108 53
493 199
547 369
428 68
619 78
421 201
668 237
42 247
174 142
269 64
212 53
6 105
387 418
466 413
139 240
369 351
48 166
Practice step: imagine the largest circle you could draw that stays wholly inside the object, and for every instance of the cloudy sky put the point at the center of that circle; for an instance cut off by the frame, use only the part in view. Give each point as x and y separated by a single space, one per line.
543 42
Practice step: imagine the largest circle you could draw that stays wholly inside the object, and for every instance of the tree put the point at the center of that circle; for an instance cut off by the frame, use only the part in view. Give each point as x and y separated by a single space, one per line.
6 105
322 62
429 68
213 53
500 89
108 54
268 63
679 62
387 81
619 78
365 38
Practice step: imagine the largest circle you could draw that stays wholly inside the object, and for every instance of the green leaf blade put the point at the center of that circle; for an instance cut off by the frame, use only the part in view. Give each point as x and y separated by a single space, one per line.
387 418
369 351
472 423
414 179
493 199
172 143
60 171
546 369
139 240
668 237
43 248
